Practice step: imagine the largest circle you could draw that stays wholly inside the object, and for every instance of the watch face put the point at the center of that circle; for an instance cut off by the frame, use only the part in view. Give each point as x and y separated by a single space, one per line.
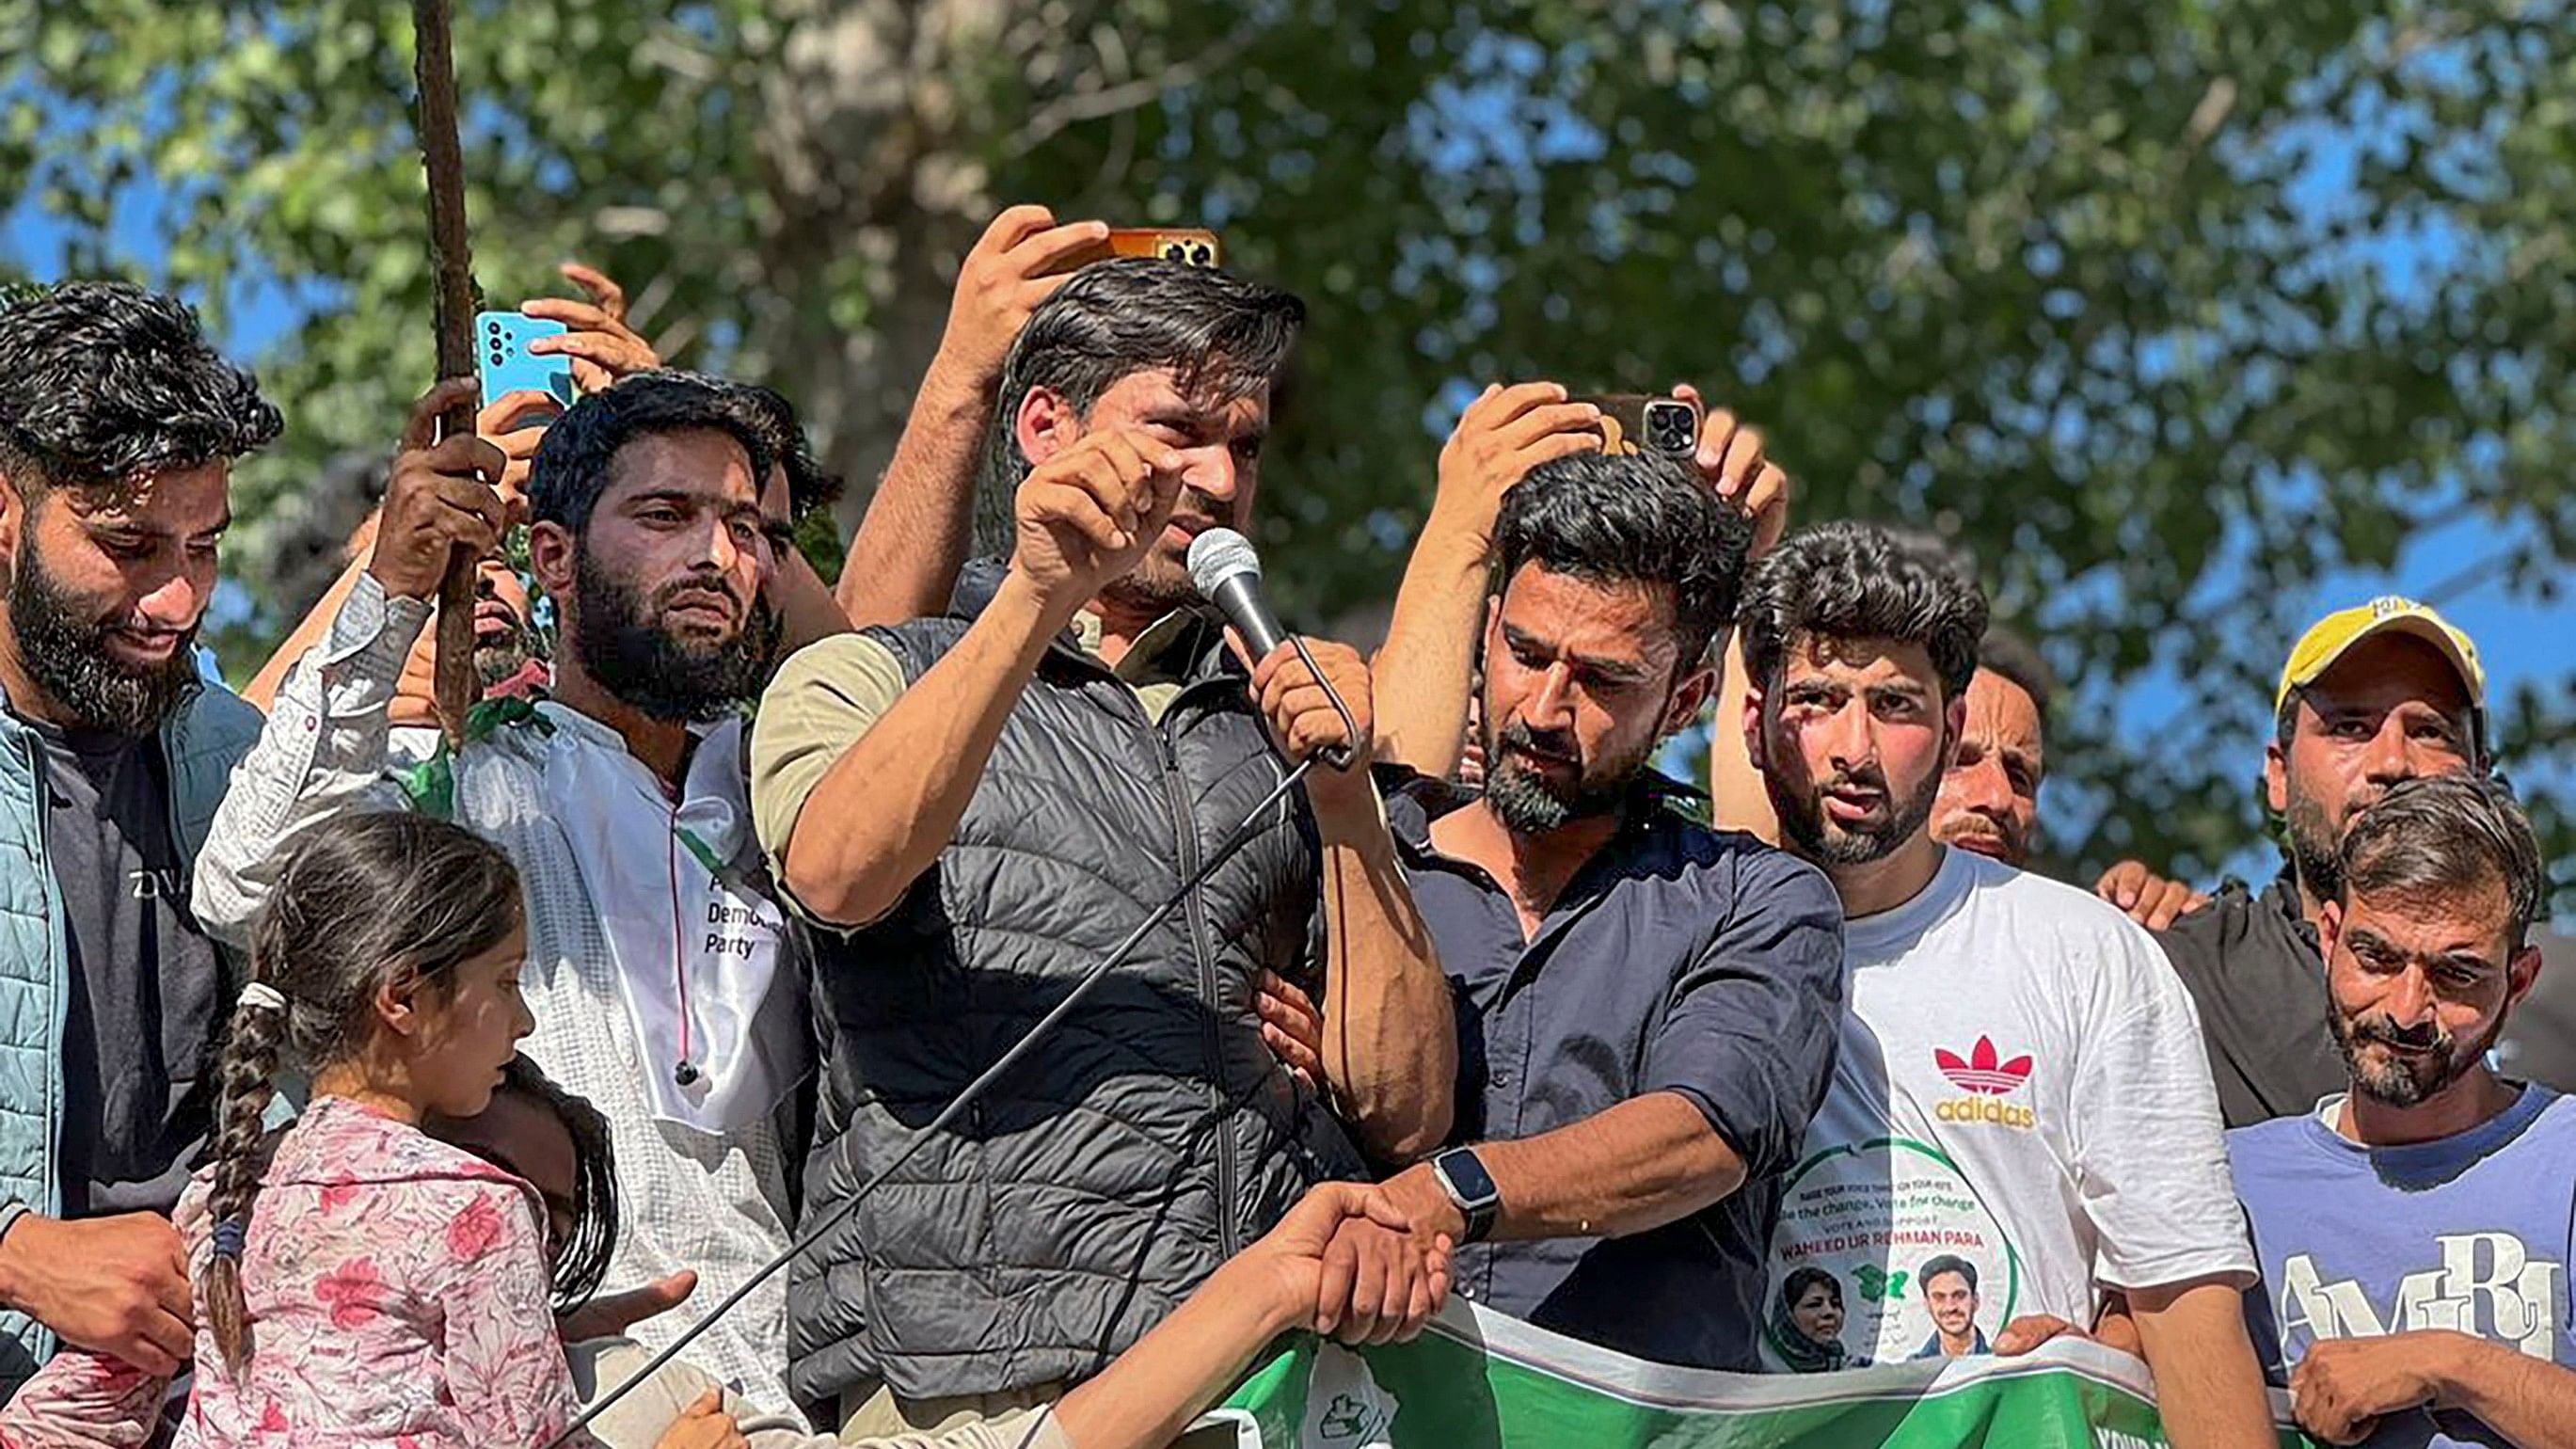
1467 1177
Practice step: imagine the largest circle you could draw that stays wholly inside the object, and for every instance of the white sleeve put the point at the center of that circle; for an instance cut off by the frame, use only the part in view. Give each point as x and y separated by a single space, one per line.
640 1418
321 754
2150 1149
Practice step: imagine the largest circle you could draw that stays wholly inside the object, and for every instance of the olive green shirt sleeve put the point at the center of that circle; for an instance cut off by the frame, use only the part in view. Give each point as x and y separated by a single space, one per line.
823 699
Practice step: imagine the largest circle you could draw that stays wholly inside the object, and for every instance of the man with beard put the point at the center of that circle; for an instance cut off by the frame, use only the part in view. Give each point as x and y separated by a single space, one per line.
509 663
1645 1005
979 806
2413 1229
664 986
2019 1078
1989 800
2371 697
118 431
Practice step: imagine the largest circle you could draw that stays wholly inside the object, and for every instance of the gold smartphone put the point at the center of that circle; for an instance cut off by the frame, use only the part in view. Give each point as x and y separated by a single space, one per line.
1188 245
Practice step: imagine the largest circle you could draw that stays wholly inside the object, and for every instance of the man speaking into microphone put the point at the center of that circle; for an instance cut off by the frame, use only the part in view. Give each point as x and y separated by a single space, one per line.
974 809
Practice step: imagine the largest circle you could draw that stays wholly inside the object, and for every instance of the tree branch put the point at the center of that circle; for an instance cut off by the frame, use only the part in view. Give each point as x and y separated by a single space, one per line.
1047 121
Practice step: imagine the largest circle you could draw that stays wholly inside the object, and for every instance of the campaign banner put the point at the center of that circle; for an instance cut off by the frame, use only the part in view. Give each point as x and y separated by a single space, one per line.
1481 1380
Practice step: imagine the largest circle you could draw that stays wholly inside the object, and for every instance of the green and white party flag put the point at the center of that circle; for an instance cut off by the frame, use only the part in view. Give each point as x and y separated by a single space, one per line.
1481 1380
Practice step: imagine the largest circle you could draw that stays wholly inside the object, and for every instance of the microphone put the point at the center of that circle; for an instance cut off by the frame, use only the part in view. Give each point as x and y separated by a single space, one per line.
1227 573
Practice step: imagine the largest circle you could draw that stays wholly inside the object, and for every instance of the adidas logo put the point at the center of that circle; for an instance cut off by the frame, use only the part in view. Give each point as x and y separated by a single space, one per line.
1987 1079
1981 1071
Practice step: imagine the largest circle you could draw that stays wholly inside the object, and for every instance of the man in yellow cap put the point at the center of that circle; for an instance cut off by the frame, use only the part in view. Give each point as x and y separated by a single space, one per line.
2371 696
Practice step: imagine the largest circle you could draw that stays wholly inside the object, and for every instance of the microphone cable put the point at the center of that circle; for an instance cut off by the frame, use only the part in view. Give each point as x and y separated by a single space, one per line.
1242 835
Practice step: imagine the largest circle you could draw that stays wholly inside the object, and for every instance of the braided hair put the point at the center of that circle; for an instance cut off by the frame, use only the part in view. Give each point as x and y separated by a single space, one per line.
365 902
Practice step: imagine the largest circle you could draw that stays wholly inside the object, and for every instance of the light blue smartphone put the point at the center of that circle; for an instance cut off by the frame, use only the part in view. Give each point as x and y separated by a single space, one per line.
504 365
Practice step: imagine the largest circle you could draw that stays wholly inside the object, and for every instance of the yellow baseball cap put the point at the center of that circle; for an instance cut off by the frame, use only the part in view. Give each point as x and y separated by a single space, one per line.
2329 638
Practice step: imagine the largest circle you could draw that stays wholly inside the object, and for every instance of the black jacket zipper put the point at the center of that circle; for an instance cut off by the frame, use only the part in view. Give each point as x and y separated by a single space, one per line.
1187 832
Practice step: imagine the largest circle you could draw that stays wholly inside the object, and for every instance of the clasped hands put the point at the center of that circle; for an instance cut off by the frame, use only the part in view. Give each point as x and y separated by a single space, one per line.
1353 1262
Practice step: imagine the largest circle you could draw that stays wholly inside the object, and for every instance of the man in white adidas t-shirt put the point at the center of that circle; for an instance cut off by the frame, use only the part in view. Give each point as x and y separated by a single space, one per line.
2021 1086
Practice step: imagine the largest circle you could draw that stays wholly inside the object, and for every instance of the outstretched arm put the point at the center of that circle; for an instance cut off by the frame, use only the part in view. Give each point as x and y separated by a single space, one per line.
1429 660
514 423
2346 1386
1145 1398
1648 1161
905 556
1730 1079
1390 1033
2530 1401
1732 460
84 1400
1738 800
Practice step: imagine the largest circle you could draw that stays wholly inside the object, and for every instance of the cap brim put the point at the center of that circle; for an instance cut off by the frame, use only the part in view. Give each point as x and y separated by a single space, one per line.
2414 626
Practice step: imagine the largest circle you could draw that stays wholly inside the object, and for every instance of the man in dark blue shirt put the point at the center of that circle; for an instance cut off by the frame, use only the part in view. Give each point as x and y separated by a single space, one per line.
1646 1006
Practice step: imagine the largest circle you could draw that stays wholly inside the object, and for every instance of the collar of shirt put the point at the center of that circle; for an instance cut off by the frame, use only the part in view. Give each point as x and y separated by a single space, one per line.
2282 897
90 744
712 812
2415 1166
1891 932
1163 654
1414 800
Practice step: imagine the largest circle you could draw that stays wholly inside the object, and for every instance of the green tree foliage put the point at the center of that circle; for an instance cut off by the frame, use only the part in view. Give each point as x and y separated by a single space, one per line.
2161 309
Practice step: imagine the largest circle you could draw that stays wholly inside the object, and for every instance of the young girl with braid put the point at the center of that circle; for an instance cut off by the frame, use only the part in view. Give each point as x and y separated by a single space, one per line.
360 1282
559 1145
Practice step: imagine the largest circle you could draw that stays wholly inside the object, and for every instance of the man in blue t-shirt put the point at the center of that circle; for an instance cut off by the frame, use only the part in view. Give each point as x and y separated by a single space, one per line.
2414 1233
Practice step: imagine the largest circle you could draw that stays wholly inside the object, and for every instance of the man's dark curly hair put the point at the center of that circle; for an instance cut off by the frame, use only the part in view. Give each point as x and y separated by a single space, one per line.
1846 580
1946 1263
1637 518
809 485
580 450
103 383
1225 335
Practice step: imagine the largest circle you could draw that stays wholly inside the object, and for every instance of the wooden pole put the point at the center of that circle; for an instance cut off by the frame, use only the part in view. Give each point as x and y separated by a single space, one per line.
451 261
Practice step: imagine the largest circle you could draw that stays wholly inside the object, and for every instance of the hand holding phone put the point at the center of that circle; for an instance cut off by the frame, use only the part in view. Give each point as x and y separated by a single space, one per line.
601 344
1733 459
1017 264
504 365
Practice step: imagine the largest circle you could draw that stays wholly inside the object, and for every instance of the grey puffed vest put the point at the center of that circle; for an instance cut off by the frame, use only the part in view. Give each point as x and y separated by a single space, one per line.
1153 1135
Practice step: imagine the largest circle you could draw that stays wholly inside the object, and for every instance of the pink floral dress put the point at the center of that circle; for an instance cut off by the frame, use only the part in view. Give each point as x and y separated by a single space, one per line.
398 1299
81 1400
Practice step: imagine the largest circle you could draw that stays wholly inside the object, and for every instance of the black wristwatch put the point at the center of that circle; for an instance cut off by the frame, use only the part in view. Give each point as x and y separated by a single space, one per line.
1471 1188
